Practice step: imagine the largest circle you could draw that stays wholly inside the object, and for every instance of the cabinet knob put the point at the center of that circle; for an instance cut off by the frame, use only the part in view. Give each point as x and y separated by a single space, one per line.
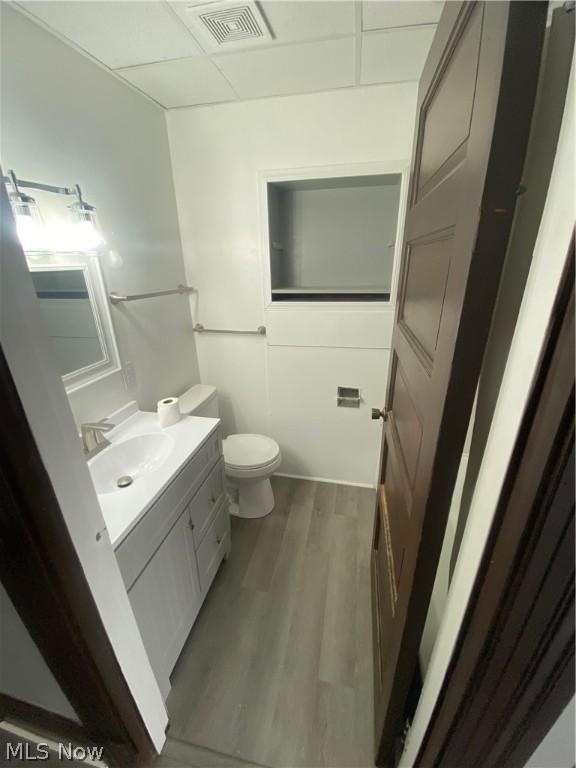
379 414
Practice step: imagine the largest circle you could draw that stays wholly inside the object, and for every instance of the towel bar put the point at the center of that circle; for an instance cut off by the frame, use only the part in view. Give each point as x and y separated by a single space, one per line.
260 331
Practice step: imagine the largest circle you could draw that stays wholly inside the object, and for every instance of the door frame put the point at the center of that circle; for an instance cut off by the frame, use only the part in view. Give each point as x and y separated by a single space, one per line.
525 582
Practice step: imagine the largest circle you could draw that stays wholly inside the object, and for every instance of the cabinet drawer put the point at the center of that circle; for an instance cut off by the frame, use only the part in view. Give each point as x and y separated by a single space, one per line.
204 504
140 544
215 544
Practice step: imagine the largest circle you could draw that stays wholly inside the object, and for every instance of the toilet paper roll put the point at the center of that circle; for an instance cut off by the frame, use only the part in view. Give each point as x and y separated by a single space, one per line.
168 411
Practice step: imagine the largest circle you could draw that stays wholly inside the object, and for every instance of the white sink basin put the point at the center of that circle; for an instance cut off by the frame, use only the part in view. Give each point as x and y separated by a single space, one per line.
128 461
151 456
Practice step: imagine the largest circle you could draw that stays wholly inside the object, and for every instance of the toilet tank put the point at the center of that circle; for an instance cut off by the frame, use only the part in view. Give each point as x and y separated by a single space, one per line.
200 400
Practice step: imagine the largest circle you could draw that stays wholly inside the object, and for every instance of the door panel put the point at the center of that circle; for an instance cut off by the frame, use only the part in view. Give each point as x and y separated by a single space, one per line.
474 107
383 573
423 291
407 422
447 111
397 499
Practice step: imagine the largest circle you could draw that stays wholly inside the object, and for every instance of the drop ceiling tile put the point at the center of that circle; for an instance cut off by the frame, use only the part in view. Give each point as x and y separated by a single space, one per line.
181 83
119 34
395 55
377 14
308 20
299 68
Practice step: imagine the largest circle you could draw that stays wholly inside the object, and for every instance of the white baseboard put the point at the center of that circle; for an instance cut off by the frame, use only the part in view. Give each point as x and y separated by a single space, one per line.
324 480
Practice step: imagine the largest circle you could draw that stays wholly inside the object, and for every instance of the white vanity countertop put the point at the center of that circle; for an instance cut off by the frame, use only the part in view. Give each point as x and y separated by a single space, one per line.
123 508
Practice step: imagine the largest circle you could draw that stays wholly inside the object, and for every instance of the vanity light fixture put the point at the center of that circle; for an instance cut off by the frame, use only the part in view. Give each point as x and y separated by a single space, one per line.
85 233
81 234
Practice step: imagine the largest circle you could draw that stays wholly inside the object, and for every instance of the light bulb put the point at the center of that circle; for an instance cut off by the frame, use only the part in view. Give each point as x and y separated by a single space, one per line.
29 225
84 233
30 233
73 236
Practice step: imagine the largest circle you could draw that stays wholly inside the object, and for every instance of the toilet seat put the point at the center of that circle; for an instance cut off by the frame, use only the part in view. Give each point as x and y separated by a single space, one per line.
248 452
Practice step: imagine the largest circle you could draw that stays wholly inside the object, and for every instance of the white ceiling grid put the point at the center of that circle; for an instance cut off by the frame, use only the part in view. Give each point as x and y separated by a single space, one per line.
305 46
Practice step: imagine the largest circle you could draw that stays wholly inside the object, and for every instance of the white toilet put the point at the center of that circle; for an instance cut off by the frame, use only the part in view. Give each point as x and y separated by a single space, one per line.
250 460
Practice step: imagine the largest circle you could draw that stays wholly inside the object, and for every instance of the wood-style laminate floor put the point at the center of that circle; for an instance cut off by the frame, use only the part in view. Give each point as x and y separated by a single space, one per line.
277 670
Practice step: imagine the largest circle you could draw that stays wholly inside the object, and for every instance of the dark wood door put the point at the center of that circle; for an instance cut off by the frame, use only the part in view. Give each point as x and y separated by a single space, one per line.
475 102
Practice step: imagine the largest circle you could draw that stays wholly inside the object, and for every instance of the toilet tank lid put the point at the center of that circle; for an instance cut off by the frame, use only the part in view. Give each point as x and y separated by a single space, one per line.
196 397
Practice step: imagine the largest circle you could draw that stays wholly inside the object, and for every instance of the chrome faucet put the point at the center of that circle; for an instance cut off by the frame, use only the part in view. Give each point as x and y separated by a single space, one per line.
93 440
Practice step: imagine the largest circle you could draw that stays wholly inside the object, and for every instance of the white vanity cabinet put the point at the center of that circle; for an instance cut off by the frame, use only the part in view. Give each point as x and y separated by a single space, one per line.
169 560
166 599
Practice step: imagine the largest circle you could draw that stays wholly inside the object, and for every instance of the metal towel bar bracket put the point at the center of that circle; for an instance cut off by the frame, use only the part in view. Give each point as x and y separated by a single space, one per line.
260 331
116 298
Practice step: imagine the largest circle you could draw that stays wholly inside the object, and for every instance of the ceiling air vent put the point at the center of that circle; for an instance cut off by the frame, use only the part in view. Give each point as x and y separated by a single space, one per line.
222 26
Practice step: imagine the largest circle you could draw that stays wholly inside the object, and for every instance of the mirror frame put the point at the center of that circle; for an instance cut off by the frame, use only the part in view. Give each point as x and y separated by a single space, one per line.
90 266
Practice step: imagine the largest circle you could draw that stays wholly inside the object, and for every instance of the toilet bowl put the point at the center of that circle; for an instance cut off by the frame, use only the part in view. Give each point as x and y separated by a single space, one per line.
250 460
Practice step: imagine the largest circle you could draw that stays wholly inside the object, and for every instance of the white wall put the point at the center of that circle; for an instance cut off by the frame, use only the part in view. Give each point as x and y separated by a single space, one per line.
285 385
64 121
24 674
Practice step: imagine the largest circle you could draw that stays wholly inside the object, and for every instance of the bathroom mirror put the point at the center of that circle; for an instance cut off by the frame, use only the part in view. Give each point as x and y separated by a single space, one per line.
74 307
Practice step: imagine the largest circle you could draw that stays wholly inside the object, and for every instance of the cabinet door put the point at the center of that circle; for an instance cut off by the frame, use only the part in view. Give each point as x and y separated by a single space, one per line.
166 599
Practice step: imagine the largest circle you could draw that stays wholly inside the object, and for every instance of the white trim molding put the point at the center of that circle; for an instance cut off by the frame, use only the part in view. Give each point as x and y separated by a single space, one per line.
400 167
89 265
